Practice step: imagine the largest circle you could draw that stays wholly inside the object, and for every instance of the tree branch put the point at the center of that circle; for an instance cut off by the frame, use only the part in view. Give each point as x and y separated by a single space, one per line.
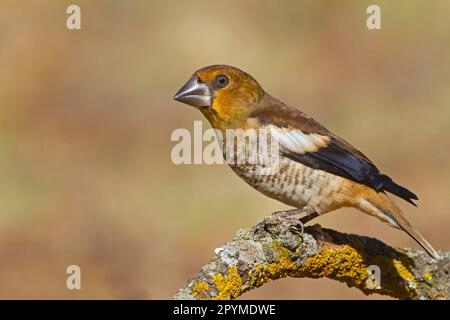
275 249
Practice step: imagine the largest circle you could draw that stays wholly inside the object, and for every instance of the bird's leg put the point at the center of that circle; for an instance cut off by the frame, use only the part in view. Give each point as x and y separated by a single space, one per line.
309 217
293 212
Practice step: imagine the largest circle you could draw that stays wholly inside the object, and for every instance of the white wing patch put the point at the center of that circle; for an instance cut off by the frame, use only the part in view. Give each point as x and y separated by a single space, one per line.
296 141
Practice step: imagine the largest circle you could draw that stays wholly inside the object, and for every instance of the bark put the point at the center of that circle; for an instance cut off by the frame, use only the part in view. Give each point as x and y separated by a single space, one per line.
277 248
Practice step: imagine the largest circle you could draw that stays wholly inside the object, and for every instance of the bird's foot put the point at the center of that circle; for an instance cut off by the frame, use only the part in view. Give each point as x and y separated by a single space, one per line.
294 222
297 224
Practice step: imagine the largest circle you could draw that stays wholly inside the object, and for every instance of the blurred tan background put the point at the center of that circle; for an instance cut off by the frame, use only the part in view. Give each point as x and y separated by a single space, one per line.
86 118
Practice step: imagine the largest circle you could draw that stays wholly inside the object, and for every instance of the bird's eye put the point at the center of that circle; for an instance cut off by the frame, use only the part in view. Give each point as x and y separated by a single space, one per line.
221 81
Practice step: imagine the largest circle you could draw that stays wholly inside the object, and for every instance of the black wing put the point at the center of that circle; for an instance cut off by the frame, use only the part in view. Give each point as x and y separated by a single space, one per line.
336 159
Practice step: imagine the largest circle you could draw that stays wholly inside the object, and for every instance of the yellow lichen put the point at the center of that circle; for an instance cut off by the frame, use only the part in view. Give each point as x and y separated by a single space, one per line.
279 269
428 277
229 286
405 274
279 250
345 264
264 272
200 290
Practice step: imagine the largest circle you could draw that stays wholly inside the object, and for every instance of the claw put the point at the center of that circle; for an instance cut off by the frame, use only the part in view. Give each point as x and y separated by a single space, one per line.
261 225
294 227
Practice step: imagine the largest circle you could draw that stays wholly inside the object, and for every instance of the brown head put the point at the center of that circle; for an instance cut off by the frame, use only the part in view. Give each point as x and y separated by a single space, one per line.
224 94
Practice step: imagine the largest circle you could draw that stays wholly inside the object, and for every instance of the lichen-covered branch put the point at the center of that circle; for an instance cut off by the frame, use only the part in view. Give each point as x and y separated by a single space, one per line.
276 248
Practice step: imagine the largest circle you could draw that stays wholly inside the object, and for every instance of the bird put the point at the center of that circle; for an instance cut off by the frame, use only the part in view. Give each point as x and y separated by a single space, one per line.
317 171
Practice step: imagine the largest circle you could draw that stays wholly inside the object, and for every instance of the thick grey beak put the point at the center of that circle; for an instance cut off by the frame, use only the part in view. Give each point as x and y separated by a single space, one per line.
194 93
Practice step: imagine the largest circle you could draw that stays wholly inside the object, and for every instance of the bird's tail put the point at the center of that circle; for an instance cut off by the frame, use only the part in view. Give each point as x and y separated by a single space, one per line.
383 203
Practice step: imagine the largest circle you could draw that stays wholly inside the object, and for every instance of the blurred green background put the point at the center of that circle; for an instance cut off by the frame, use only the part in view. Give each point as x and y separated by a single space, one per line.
86 117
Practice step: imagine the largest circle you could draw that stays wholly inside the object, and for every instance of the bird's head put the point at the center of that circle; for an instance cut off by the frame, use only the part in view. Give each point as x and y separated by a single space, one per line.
224 94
